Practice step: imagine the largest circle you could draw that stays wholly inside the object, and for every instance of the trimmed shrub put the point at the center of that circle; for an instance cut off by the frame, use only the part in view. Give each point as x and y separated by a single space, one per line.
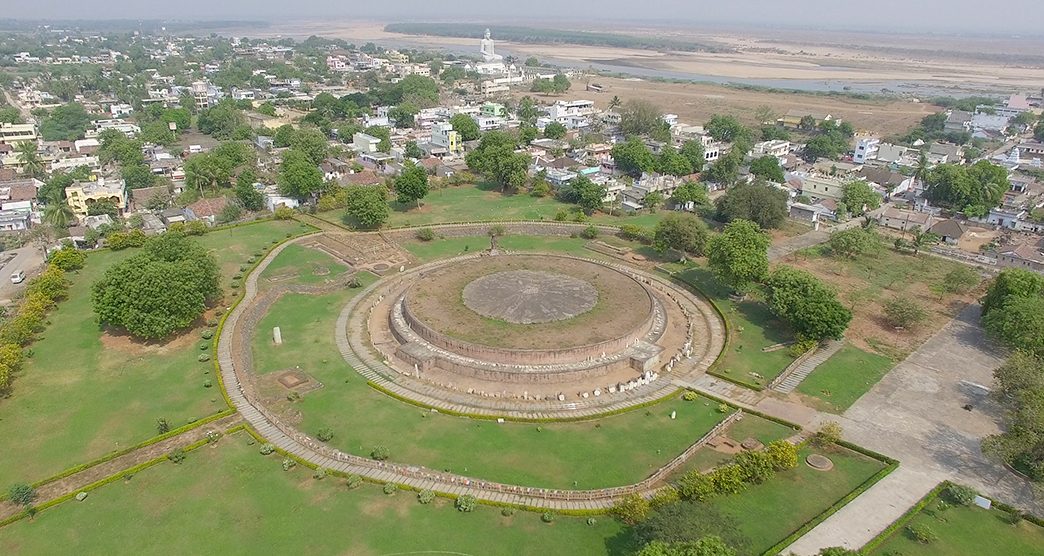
507 512
425 234
284 213
465 503
696 486
590 232
390 488
547 517
631 509
176 456
68 258
728 479
782 454
426 496
204 357
828 434
207 334
664 496
319 474
690 396
379 453
960 495
288 464
266 449
592 521
756 467
353 481
922 533
325 434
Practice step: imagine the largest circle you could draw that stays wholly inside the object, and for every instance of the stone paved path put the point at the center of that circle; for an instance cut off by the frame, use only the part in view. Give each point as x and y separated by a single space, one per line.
791 381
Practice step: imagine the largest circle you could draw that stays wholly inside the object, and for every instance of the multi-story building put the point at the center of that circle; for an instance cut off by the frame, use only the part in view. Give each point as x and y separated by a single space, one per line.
16 133
866 149
443 135
81 195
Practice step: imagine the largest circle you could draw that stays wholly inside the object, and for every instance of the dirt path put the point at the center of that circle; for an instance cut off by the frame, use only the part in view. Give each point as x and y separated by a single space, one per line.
77 481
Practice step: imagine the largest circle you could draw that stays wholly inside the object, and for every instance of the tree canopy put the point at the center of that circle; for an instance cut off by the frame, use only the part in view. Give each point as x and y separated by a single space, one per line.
633 157
767 167
67 122
1019 387
739 254
223 121
681 232
160 290
763 204
859 197
640 117
809 305
465 126
298 176
979 187
412 184
368 205
726 128
495 158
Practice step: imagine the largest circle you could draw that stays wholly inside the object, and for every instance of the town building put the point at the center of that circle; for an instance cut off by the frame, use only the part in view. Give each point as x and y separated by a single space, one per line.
81 195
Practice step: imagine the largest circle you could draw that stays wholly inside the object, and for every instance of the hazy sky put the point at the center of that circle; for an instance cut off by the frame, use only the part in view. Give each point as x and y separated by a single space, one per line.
1015 16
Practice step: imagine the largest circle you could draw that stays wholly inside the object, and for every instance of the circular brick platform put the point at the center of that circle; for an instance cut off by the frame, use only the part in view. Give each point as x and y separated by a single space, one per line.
529 296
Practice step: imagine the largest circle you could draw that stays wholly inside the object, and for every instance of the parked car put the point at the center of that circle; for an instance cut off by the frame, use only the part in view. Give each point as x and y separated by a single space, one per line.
17 277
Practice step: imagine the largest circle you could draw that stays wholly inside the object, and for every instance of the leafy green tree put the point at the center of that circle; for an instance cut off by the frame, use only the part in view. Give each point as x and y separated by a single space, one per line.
29 157
589 195
904 312
694 152
467 127
960 280
527 133
1019 387
246 193
691 192
412 184
809 305
368 205
707 546
554 130
560 83
757 466
837 551
681 232
853 242
859 197
103 206
739 255
982 184
763 204
726 128
160 290
633 157
631 509
22 494
284 136
672 163
1010 283
67 122
382 133
652 200
726 169
527 111
767 167
1018 323
137 176
221 121
640 117
57 213
688 522
312 143
412 150
298 176
495 158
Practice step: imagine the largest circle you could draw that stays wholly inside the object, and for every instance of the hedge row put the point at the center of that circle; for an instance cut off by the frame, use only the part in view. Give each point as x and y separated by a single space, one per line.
790 539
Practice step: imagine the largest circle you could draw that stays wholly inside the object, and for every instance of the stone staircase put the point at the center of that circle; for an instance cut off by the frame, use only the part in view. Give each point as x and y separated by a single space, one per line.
805 368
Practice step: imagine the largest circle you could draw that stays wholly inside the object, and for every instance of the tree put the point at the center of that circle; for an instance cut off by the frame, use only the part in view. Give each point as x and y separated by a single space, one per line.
467 127
828 145
527 111
739 255
103 206
859 197
532 62
725 170
960 280
246 193
412 184
298 176
412 150
681 232
368 205
137 176
57 213
691 192
29 157
1018 323
903 312
589 195
560 83
221 121
614 103
67 122
495 157
1019 388
652 200
687 522
853 242
382 133
640 117
1010 283
672 163
960 187
767 167
921 239
312 143
693 151
22 494
631 509
284 136
160 290
809 305
837 551
554 130
633 157
760 203
726 128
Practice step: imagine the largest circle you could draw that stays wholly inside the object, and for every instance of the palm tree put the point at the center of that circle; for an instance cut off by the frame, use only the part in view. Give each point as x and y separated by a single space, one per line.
57 213
615 102
922 169
922 238
32 165
868 223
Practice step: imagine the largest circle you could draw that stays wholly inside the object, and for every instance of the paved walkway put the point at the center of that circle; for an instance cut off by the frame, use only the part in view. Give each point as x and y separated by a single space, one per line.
805 368
916 415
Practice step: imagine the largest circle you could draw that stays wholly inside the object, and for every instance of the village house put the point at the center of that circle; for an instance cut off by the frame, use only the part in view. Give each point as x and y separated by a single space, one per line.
905 220
81 195
1027 255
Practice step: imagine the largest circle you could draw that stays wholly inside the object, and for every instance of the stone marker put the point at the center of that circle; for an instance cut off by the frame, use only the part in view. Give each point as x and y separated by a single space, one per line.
277 336
674 414
80 496
500 420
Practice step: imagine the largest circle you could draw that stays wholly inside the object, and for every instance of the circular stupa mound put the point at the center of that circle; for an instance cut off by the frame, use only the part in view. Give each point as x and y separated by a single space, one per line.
529 296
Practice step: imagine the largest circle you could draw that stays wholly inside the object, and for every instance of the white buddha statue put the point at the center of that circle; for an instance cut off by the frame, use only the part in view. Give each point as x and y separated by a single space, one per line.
488 53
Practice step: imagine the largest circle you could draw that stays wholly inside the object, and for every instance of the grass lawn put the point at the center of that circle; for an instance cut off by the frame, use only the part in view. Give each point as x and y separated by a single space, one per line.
966 531
839 381
749 426
752 327
770 511
228 499
302 265
485 203
626 447
84 394
442 248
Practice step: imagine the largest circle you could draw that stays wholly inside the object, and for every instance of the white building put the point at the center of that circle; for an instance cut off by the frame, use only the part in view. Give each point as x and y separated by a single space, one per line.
120 110
776 147
866 149
363 143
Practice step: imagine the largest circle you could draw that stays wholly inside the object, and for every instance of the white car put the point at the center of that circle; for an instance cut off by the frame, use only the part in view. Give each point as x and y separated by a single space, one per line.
17 277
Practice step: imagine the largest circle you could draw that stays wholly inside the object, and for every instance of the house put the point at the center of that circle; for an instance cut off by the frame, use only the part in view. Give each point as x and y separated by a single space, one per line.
16 133
140 199
952 154
97 221
793 118
889 153
19 195
207 210
886 181
443 135
365 177
363 143
950 231
13 221
776 147
818 186
173 216
1027 255
120 110
866 149
905 220
81 195
958 121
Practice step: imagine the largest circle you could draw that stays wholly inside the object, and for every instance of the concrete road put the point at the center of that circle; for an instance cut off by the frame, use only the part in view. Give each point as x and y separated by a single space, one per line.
27 259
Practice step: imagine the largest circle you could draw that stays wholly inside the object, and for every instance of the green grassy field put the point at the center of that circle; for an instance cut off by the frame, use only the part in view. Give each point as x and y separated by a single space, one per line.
82 395
769 512
752 327
301 265
965 531
441 248
626 447
485 203
228 499
751 426
842 379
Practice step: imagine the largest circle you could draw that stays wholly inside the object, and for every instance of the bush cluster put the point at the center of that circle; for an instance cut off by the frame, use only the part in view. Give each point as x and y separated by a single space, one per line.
749 468
466 503
20 330
426 496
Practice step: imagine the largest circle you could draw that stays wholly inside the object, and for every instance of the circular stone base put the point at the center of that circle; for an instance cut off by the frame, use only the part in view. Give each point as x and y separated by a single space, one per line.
529 296
819 462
